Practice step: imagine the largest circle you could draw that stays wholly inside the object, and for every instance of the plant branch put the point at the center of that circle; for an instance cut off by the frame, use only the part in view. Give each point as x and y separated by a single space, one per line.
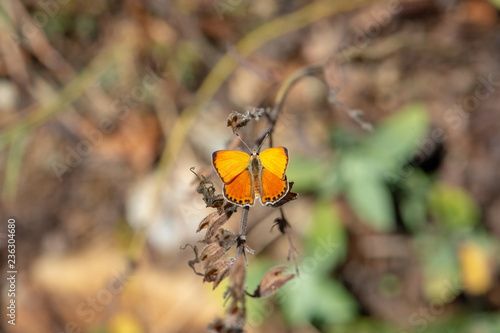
242 235
279 100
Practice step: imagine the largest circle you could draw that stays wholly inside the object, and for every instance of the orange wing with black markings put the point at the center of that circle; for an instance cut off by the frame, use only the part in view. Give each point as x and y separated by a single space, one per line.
273 182
272 188
230 163
240 190
232 167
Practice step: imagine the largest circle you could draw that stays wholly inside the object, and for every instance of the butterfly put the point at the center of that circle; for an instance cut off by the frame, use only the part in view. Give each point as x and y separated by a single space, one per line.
247 177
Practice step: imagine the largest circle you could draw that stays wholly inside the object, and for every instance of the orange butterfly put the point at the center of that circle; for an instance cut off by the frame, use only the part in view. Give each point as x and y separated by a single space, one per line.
247 177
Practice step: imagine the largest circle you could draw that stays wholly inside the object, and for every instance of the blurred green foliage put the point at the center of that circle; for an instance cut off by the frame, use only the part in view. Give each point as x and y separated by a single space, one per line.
314 296
370 170
364 167
453 207
496 3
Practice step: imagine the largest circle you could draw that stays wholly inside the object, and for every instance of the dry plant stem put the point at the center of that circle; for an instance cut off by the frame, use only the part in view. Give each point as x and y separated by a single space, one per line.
13 166
240 250
279 101
288 84
293 253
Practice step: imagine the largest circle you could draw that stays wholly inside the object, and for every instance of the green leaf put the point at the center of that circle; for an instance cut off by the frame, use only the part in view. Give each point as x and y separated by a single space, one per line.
363 170
367 193
441 270
414 201
397 138
372 201
306 173
258 309
365 325
314 297
453 207
326 245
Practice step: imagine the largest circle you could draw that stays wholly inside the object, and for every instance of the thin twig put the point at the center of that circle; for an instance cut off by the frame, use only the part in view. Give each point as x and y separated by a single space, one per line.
242 235
279 101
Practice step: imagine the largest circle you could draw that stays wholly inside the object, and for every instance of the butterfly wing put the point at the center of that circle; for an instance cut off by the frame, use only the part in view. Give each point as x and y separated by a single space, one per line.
230 163
240 190
274 184
232 168
275 160
272 188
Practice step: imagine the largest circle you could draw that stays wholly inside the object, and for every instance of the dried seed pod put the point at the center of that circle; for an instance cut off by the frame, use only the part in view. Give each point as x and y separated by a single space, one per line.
207 221
217 326
236 121
225 238
272 281
219 222
218 271
236 317
211 253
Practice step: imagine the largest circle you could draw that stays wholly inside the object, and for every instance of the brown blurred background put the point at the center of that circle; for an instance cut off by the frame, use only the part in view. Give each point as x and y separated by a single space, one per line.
106 105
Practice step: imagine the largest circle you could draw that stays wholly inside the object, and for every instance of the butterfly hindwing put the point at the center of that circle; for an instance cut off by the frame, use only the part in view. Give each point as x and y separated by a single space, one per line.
272 187
275 160
230 163
240 190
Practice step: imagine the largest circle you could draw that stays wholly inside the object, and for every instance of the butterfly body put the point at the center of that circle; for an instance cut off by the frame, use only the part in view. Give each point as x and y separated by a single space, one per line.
248 177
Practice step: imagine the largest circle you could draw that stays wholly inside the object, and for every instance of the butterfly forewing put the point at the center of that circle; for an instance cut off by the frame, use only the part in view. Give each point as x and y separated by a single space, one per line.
230 163
275 160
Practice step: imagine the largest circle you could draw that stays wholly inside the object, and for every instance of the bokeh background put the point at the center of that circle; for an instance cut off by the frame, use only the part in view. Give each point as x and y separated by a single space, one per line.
106 105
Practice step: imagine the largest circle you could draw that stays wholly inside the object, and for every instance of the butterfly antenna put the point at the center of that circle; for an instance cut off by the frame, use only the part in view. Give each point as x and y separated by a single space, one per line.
260 146
239 137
